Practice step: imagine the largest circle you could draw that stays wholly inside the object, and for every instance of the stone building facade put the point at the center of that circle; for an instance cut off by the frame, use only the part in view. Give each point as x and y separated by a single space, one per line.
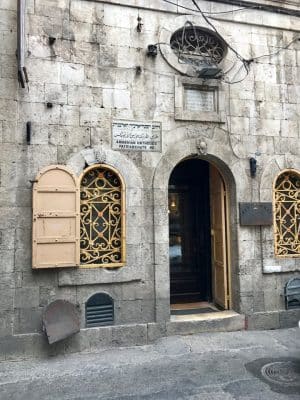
103 75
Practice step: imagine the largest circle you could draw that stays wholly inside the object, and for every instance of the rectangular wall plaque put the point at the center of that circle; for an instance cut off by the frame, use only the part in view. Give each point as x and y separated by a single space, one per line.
199 100
138 136
256 214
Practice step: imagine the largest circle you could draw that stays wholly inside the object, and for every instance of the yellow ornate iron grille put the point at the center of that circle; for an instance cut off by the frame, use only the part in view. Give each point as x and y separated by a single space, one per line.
101 225
287 214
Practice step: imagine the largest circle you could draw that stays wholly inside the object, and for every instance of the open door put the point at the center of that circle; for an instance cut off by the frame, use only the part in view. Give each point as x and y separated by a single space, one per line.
189 232
218 238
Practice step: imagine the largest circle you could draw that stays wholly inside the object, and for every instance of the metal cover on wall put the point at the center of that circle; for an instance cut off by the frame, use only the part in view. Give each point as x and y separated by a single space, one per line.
292 293
60 320
256 214
99 310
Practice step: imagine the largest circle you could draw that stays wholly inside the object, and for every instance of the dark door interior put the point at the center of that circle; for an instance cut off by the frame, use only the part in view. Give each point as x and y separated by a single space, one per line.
189 229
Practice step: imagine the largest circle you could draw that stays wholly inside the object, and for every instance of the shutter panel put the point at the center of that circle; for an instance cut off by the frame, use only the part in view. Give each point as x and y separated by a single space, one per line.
56 222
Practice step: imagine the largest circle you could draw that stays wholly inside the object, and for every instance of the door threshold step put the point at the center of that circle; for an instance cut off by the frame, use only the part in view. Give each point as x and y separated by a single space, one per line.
192 308
204 316
222 321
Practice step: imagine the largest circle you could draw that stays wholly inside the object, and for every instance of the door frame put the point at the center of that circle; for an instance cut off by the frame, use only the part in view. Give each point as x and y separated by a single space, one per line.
231 168
226 232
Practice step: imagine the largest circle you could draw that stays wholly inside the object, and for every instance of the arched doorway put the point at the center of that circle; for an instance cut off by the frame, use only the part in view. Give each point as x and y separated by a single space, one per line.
198 234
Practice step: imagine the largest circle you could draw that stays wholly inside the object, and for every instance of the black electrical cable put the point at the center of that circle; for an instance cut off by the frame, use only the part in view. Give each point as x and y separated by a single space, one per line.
245 62
214 28
178 5
247 6
262 7
278 51
229 12
240 80
206 13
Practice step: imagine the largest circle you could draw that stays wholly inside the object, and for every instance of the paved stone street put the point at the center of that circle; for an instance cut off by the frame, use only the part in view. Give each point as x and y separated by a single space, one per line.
207 366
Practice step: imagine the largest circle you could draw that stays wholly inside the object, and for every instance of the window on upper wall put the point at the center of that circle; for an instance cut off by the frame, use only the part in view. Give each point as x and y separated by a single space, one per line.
78 222
287 214
198 46
101 218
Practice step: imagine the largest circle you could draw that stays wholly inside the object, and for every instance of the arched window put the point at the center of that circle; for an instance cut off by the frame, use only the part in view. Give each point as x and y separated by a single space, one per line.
102 225
287 214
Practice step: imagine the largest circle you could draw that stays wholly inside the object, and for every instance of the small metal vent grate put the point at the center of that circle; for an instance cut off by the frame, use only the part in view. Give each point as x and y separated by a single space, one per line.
292 293
99 310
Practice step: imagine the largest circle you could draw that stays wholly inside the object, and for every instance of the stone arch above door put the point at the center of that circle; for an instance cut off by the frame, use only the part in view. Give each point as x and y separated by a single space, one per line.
216 149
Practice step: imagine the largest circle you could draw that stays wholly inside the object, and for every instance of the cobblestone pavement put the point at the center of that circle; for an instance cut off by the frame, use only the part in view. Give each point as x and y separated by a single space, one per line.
207 366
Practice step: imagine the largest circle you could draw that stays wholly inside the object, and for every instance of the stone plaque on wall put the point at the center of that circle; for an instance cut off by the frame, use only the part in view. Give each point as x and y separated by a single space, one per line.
256 214
137 136
199 100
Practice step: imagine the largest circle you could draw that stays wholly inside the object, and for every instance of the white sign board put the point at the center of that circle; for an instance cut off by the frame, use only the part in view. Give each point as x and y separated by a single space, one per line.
138 136
199 100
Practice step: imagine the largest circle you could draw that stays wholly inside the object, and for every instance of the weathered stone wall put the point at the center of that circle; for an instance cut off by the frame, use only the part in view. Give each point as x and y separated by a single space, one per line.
90 76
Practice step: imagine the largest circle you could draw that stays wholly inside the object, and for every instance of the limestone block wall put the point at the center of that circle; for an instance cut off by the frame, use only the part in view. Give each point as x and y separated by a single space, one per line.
91 76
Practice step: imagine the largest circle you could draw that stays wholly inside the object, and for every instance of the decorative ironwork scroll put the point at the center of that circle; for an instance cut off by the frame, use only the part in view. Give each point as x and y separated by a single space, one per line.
287 214
101 224
197 46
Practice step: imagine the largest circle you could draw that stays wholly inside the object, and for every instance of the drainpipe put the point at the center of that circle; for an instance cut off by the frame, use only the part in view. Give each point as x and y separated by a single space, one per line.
22 73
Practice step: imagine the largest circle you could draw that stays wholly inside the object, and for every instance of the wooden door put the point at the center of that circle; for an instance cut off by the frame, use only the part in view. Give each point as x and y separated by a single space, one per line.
218 238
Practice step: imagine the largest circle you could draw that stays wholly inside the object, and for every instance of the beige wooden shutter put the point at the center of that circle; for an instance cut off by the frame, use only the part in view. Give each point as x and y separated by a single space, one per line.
56 223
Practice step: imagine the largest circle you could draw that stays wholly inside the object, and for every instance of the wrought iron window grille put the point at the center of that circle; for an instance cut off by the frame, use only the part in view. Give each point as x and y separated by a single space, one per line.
101 218
287 214
197 46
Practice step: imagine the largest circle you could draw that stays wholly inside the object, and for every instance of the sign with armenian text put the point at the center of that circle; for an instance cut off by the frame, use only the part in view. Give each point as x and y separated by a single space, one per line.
136 136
